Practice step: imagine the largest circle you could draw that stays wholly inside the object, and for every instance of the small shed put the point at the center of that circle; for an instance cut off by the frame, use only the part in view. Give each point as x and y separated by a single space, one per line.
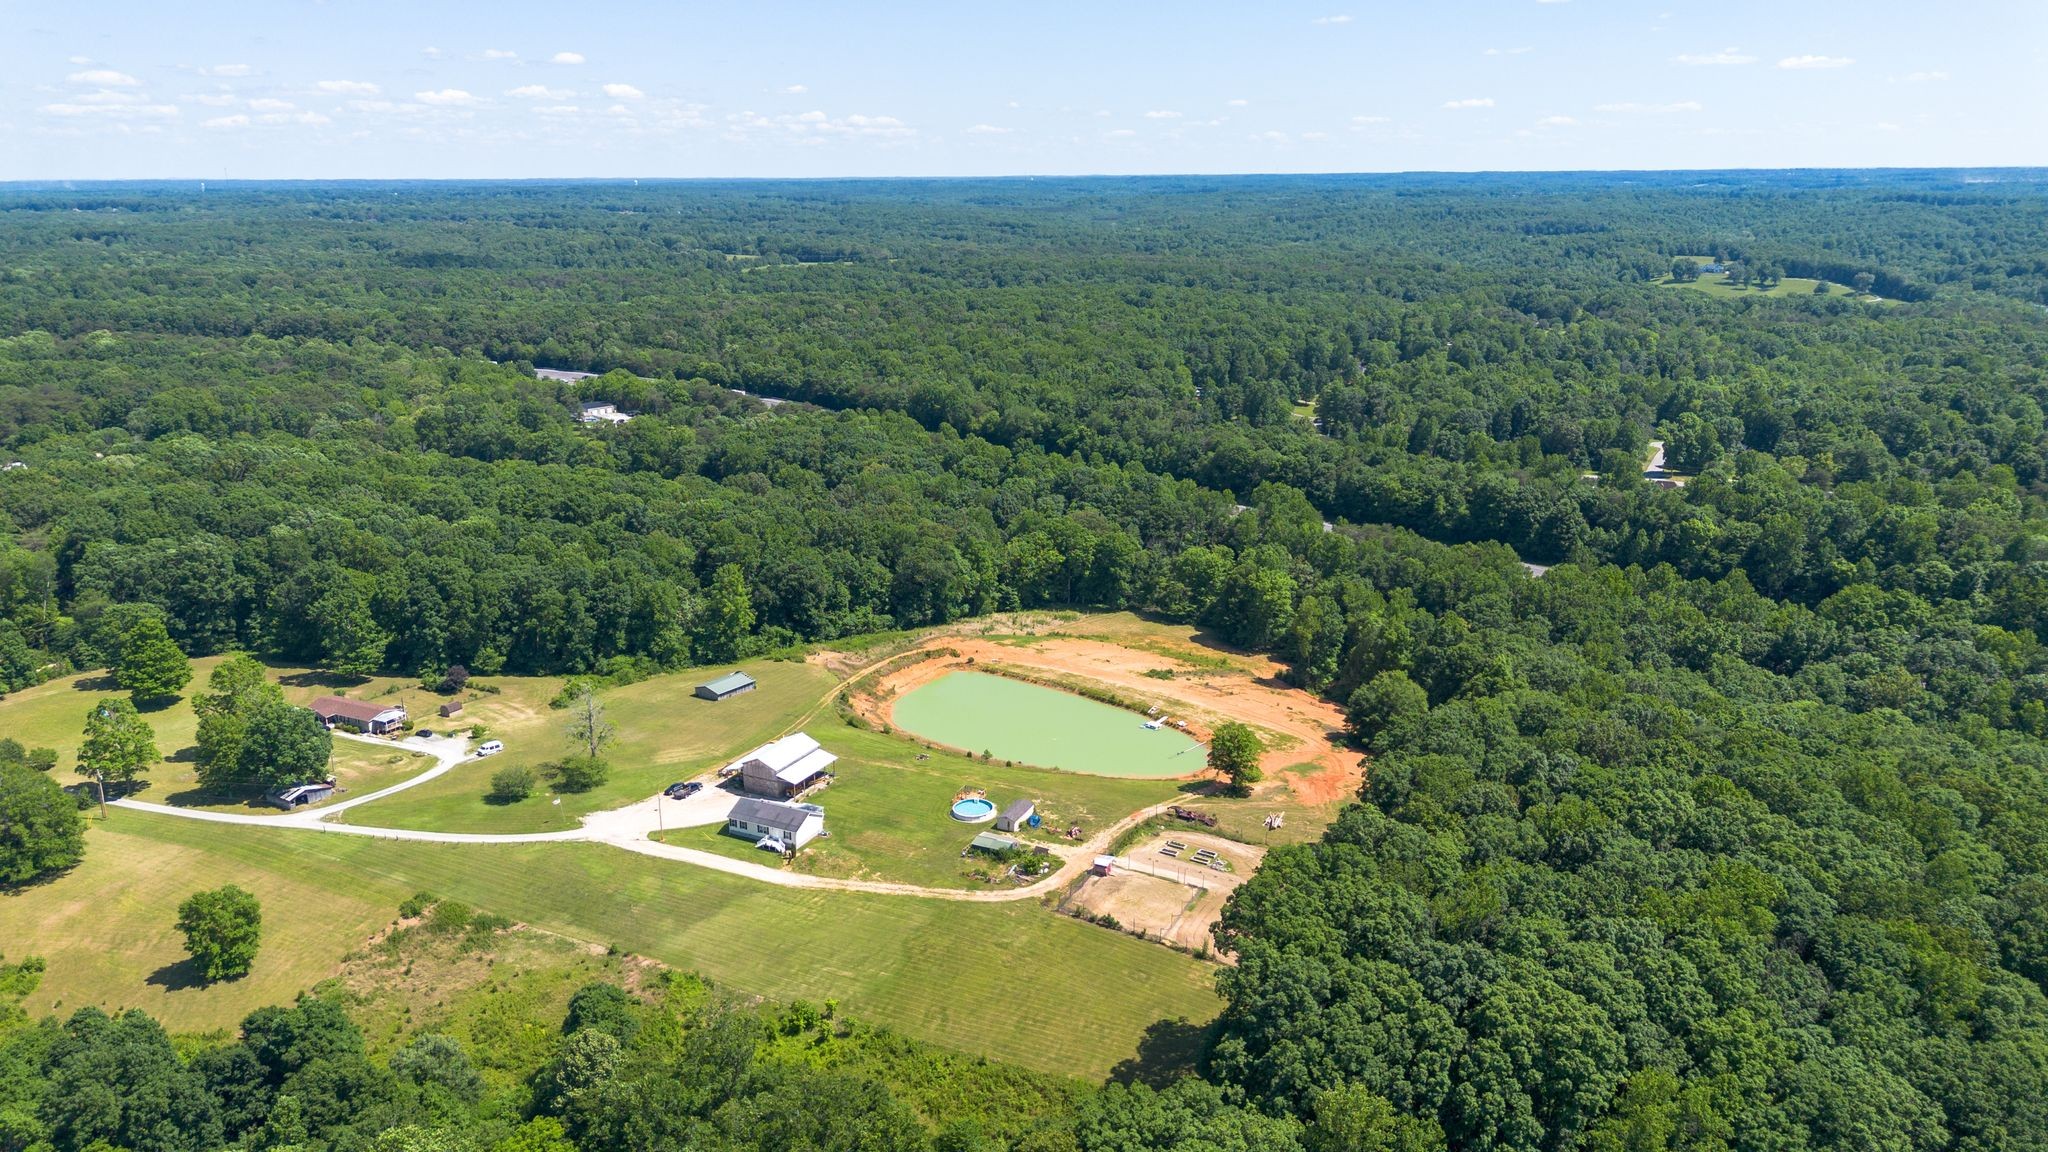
728 685
1016 816
1105 865
451 708
299 795
991 843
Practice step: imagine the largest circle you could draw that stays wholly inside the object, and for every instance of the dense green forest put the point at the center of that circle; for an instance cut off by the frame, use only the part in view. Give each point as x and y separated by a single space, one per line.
1730 831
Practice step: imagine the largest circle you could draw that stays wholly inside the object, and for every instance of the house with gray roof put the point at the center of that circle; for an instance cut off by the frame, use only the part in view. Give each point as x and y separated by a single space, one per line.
775 824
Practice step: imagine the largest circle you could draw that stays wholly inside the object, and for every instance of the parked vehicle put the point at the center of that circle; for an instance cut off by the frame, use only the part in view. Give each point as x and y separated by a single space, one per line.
490 748
682 789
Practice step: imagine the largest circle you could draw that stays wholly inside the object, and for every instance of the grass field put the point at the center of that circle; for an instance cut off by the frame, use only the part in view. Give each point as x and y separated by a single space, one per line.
664 735
53 715
887 811
1002 980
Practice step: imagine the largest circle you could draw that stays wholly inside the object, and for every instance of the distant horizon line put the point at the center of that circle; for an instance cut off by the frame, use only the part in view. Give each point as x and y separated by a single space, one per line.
61 182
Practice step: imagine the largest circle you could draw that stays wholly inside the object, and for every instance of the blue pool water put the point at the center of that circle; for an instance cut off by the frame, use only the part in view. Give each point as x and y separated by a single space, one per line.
973 810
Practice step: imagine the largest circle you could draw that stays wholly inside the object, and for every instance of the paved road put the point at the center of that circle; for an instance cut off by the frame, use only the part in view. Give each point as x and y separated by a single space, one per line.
631 827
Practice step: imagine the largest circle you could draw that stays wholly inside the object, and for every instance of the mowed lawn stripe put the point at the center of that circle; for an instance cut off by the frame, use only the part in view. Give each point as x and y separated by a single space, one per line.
1011 980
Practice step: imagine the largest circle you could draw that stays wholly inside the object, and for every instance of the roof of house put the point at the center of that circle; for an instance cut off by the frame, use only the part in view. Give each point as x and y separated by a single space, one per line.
993 842
1019 810
730 682
793 759
360 710
293 793
773 813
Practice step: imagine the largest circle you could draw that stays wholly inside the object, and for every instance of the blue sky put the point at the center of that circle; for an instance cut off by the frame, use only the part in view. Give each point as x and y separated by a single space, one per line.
211 89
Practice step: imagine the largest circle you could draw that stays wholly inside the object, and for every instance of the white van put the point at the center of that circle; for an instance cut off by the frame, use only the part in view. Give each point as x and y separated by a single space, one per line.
490 747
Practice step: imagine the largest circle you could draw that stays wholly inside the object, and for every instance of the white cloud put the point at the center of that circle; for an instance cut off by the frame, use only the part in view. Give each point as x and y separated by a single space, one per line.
431 53
445 97
227 70
1162 114
228 122
213 99
105 76
1240 103
268 105
1885 126
623 92
1369 120
1553 1
80 60
1725 56
1925 77
541 92
566 58
1331 20
1815 62
813 127
498 54
348 87
1632 106
1556 122
1315 135
795 90
986 130
1470 102
123 110
1119 133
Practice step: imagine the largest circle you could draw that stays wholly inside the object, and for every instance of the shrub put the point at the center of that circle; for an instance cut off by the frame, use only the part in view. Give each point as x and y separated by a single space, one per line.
511 784
454 679
580 773
449 916
416 905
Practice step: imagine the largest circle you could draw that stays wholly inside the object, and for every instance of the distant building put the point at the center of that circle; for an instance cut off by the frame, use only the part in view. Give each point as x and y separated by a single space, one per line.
774 824
361 715
1016 816
603 412
451 708
785 768
299 795
730 684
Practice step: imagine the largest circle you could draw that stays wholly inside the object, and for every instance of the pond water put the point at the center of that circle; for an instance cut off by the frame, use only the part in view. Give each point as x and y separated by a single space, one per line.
1033 725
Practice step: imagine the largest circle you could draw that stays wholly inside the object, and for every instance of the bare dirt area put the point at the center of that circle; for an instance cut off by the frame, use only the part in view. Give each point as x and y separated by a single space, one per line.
1207 686
1169 897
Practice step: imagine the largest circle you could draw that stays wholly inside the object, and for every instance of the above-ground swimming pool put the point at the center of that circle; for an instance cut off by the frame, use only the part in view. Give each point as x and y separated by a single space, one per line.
973 810
1012 720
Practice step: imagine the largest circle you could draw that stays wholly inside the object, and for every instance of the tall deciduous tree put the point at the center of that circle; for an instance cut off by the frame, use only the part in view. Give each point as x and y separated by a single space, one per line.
40 829
1234 754
725 617
223 929
151 666
283 744
118 746
351 641
236 691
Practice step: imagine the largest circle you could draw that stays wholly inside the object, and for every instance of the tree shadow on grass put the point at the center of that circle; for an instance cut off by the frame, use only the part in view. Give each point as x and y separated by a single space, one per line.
316 678
1168 1051
101 683
179 976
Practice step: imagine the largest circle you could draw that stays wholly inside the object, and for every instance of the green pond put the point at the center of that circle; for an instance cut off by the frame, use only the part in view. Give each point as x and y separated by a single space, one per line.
1013 720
